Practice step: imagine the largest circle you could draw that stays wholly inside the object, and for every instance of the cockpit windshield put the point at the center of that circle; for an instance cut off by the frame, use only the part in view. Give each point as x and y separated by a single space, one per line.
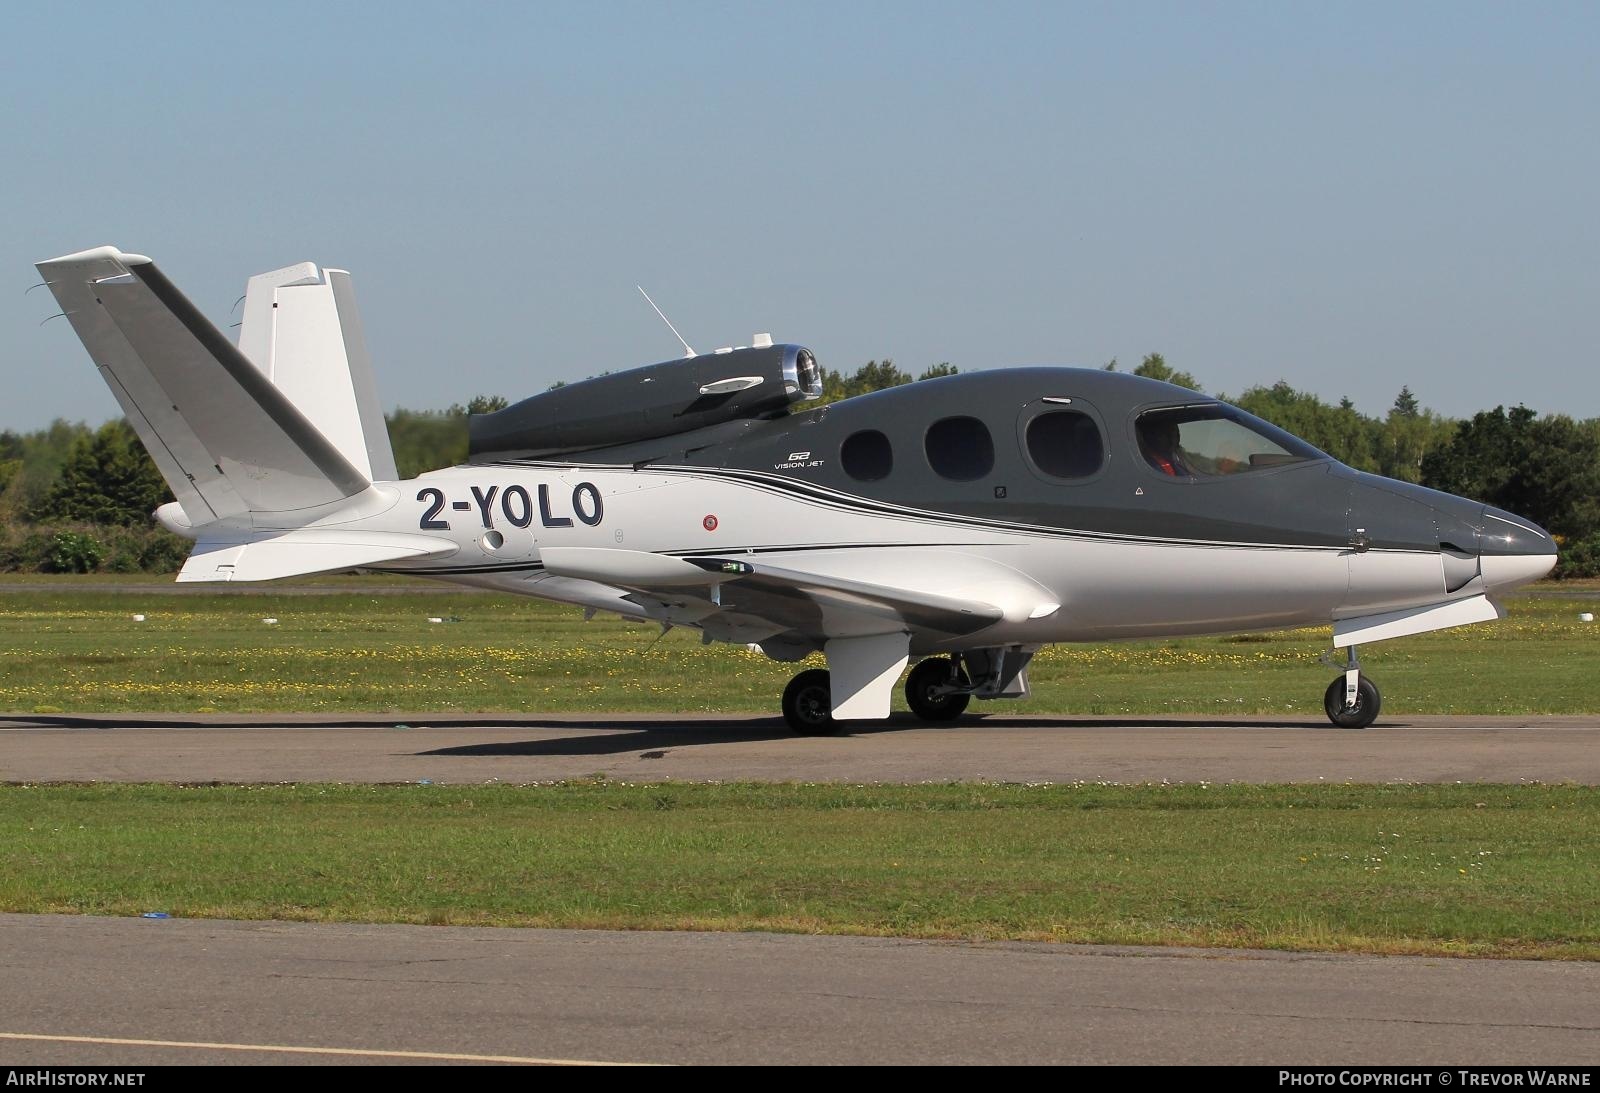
1210 439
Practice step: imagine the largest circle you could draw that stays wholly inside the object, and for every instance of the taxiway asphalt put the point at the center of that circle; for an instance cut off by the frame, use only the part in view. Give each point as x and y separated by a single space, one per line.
126 992
519 749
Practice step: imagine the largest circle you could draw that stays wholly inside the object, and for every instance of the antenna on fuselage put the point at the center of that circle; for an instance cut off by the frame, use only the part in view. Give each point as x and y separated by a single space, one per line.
688 350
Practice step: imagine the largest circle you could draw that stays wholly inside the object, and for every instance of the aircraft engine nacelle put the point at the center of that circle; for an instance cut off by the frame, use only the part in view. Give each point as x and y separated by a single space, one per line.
654 401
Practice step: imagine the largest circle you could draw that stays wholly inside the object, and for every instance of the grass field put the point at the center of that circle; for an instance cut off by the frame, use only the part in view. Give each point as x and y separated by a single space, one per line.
76 648
1465 870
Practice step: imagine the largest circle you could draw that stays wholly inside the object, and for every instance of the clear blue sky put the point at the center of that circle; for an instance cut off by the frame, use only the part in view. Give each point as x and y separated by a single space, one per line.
1350 197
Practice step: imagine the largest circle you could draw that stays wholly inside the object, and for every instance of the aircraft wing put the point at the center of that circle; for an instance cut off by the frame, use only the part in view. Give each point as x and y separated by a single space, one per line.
863 607
828 605
829 595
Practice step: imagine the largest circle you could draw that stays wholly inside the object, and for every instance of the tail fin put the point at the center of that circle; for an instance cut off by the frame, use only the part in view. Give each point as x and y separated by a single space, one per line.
302 329
256 445
228 441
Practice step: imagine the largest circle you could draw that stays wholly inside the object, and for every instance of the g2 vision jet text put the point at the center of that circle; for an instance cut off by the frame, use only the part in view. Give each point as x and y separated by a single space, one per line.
962 522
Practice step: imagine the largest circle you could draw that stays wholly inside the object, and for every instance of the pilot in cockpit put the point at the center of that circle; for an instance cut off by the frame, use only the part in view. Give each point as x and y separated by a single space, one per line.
1158 436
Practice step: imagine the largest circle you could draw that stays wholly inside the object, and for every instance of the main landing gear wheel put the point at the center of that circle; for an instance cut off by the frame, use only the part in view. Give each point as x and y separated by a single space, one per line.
808 703
1359 716
922 697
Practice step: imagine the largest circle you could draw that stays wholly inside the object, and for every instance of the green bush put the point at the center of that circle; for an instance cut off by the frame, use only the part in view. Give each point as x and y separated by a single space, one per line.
1580 558
85 548
163 552
25 548
74 552
122 560
142 550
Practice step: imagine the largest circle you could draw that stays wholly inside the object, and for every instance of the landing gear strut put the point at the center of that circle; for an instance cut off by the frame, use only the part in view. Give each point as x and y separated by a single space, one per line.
1352 700
808 703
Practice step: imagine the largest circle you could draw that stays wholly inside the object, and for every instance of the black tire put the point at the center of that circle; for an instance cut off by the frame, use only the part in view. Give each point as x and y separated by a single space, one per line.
920 696
808 703
1359 716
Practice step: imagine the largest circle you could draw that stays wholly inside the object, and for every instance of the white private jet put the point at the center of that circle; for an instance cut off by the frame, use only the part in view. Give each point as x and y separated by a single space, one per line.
963 522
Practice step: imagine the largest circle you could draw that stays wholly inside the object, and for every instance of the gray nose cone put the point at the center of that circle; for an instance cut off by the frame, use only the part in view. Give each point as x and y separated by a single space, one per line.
1514 550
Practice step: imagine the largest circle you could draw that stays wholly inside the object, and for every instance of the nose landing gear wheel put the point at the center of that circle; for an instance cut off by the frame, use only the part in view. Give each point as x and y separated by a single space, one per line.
1359 716
924 701
808 703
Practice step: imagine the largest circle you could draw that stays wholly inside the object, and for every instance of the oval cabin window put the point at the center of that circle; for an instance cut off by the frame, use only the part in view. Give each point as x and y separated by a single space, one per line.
959 448
1065 444
867 456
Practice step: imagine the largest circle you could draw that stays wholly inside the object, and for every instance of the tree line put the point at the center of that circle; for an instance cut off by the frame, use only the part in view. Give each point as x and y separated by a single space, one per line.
78 499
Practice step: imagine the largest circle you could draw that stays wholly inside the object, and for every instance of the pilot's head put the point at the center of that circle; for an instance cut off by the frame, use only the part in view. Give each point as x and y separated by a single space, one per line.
1161 435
